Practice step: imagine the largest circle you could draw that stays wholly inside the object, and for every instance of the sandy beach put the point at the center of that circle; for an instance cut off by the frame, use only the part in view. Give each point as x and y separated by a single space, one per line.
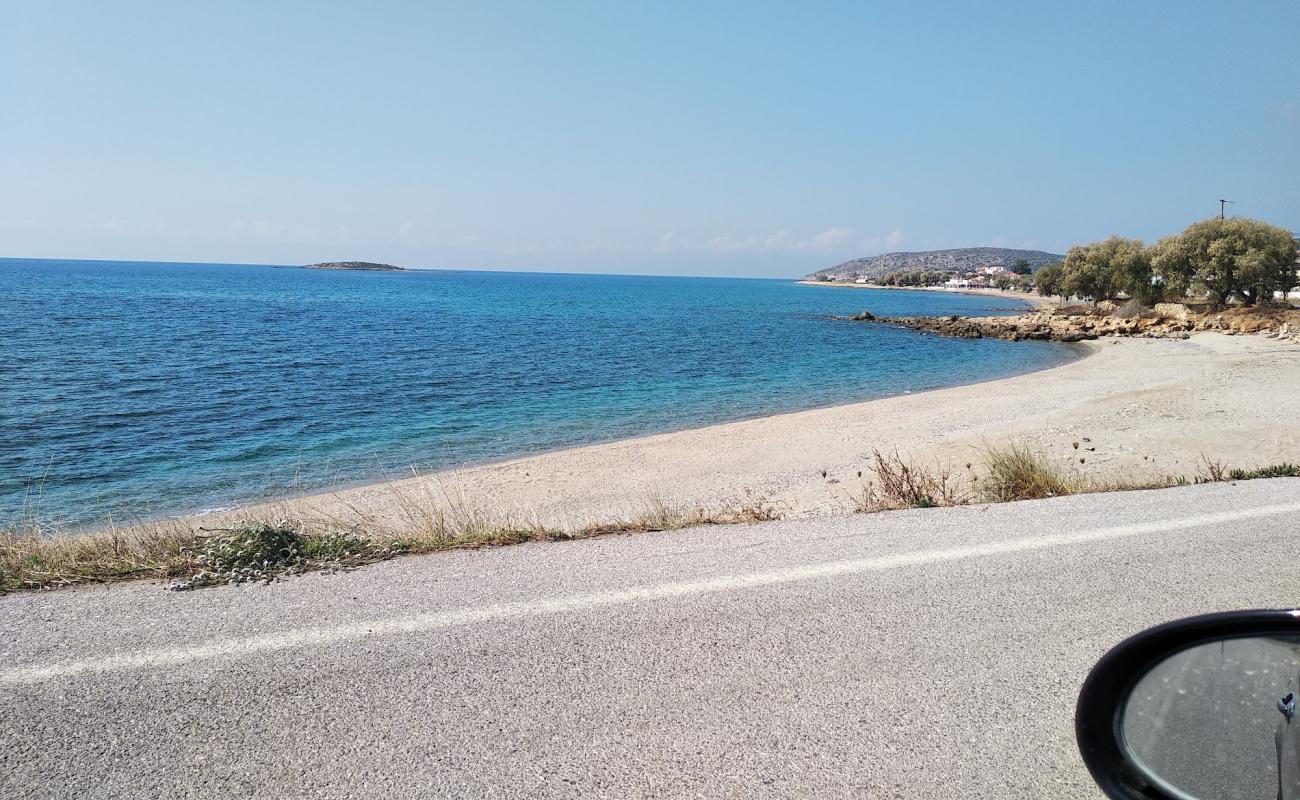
1136 406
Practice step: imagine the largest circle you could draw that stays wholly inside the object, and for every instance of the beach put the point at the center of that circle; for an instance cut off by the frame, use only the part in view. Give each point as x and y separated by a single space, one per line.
236 396
1129 407
1031 298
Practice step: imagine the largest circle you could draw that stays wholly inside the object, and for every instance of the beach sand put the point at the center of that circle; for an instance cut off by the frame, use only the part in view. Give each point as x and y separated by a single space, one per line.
1136 406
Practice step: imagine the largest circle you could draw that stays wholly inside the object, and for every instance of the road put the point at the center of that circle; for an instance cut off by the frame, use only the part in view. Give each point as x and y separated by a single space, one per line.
927 653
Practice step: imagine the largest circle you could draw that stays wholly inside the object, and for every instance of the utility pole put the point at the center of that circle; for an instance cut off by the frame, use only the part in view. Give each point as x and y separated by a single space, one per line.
1222 205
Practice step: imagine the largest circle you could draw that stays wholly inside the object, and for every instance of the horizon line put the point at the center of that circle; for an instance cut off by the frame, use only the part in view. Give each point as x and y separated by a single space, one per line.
503 270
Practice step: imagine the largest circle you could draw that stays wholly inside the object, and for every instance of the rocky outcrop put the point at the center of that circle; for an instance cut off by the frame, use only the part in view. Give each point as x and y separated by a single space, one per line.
1081 323
361 265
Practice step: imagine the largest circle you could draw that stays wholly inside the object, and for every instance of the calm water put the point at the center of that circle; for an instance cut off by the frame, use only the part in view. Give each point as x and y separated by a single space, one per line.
143 388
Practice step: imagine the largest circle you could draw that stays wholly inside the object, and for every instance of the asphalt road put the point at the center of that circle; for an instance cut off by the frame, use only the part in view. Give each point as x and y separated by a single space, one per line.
931 653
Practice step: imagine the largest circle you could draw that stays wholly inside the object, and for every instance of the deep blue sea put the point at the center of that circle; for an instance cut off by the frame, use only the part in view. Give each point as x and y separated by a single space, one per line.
141 389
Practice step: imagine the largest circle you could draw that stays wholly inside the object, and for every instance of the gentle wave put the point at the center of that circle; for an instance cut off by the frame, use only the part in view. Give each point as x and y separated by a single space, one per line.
144 389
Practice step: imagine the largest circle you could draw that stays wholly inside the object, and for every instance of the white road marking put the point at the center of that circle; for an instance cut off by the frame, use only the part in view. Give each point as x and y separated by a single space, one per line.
307 637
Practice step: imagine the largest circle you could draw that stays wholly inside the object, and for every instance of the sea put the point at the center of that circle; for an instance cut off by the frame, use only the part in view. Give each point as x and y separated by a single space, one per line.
134 390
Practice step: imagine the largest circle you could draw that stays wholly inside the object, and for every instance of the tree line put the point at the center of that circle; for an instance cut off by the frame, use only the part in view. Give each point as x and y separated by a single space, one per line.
1223 259
914 278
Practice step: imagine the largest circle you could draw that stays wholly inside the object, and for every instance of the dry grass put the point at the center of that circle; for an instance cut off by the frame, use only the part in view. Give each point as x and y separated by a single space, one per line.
38 557
430 518
1014 472
1008 472
897 483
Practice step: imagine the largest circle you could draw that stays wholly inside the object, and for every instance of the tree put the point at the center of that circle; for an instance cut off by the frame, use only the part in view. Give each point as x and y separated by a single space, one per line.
1228 258
1171 267
1048 279
1020 267
1083 274
1102 270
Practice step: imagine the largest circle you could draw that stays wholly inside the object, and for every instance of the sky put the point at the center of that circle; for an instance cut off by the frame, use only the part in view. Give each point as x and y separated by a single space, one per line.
713 138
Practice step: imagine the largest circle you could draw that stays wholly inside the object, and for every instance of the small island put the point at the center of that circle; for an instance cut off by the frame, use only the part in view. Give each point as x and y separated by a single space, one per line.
362 265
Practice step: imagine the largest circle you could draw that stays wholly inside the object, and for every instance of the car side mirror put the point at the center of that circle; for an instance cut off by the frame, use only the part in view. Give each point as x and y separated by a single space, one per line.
1199 708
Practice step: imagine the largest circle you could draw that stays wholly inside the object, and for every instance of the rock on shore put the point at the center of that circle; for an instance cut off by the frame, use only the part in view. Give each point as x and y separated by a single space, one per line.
1080 323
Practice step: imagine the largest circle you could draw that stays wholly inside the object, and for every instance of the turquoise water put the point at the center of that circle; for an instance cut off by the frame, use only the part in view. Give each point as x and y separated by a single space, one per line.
142 388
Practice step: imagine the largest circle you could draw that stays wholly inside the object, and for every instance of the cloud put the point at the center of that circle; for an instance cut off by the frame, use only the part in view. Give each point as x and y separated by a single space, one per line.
781 241
889 242
123 227
671 243
275 231
726 244
829 239
602 246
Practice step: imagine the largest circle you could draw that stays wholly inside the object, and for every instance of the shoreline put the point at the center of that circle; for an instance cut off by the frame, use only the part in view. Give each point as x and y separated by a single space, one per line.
1080 350
1148 406
1035 300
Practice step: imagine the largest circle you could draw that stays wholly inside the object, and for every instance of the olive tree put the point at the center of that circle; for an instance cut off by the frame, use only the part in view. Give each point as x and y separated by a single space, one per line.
1228 258
1102 270
1171 267
1048 280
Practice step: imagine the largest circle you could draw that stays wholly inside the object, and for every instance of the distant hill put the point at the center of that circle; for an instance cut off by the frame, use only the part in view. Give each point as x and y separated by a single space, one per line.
962 259
355 265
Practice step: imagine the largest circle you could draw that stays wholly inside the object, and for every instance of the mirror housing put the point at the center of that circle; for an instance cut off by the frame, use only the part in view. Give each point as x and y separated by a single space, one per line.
1098 715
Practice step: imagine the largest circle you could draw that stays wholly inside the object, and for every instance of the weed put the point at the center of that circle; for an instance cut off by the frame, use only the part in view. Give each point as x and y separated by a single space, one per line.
896 483
1283 470
1216 472
1213 471
264 552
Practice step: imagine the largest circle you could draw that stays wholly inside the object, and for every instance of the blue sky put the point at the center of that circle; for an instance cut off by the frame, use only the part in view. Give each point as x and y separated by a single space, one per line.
677 138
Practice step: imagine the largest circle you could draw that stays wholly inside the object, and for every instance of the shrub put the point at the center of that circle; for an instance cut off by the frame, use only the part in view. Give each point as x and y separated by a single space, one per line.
897 483
1131 310
262 552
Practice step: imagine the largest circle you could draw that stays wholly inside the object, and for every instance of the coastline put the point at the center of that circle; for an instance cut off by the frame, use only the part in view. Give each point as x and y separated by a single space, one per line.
1032 299
1143 406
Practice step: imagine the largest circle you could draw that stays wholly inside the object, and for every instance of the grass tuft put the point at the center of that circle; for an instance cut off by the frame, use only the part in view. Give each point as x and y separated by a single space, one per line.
1009 472
1014 472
